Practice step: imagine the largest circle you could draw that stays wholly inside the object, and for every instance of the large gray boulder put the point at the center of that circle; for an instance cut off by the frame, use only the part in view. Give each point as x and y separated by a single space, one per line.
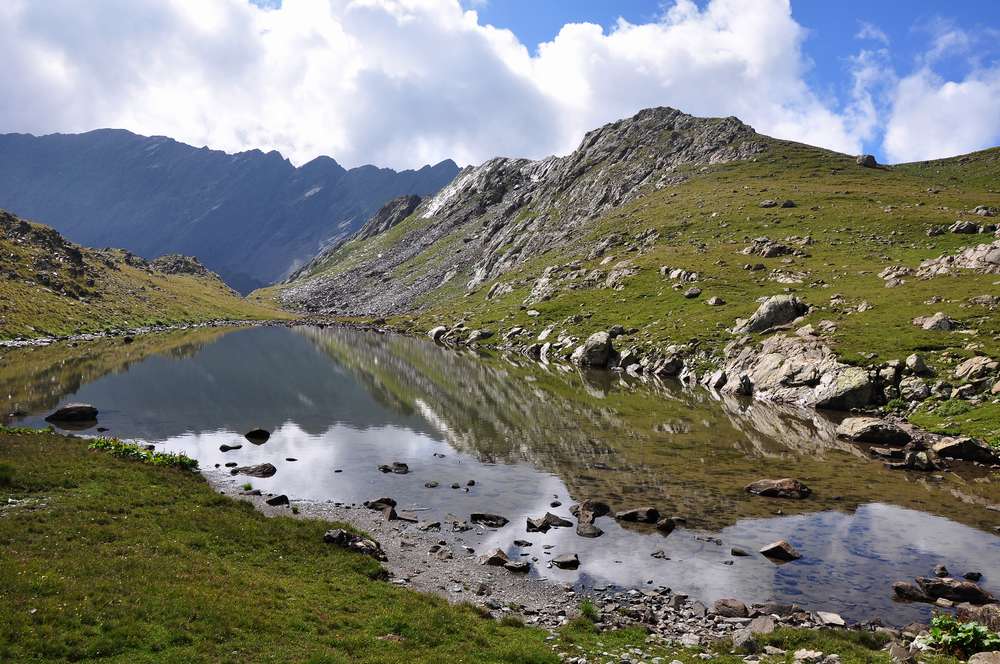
73 412
966 449
848 388
774 311
596 351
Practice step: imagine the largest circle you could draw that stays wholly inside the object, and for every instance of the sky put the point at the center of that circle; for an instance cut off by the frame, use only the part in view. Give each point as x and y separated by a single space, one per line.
402 83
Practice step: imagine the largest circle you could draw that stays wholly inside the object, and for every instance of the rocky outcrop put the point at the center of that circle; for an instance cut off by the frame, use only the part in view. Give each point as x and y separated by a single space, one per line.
797 370
983 258
873 430
506 212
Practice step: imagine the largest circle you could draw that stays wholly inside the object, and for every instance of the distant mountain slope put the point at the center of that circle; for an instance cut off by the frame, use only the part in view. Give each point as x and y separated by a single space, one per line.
252 217
50 287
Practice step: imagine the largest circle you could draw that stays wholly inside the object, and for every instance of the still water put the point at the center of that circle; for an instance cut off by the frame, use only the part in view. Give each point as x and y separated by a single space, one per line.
348 401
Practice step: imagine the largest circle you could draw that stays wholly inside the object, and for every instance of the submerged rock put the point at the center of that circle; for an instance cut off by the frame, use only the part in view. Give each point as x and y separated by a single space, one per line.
784 488
639 515
489 520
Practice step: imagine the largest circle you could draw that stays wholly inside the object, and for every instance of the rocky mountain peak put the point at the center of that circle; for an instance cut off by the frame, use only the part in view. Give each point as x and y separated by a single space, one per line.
517 209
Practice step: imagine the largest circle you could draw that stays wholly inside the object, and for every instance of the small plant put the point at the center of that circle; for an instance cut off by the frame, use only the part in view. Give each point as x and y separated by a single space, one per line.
896 406
589 611
295 510
247 486
962 638
135 452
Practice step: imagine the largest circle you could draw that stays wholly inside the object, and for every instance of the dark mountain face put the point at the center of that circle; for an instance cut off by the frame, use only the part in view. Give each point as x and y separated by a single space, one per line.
252 217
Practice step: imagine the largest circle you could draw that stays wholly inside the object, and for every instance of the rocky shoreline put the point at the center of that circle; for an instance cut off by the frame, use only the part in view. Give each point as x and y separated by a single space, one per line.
127 335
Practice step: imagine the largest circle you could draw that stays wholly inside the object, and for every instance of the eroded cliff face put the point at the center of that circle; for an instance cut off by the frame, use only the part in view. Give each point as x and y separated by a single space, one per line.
498 216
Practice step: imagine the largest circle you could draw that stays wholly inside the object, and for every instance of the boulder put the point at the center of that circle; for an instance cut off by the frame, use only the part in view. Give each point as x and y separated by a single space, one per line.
356 543
976 368
966 449
715 301
774 311
938 321
731 608
596 351
566 561
991 657
844 389
828 619
783 488
261 470
257 436
436 333
639 515
916 364
913 388
494 558
74 412
872 430
781 551
666 526
964 227
489 520
227 448
866 161
277 501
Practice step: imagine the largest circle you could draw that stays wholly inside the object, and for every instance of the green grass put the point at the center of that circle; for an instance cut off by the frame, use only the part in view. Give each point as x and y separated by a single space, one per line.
955 417
135 452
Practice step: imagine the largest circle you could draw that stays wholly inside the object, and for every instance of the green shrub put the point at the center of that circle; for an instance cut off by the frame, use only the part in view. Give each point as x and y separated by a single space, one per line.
896 405
136 452
589 611
962 638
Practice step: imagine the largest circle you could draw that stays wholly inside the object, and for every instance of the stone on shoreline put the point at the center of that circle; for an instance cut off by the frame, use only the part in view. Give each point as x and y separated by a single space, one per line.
639 515
566 561
489 520
356 543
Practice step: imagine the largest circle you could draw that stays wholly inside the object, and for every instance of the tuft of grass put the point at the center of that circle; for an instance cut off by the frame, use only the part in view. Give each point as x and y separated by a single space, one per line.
247 486
135 452
589 610
510 620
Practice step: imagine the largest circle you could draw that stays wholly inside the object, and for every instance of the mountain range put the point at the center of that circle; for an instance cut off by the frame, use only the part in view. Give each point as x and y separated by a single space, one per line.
252 217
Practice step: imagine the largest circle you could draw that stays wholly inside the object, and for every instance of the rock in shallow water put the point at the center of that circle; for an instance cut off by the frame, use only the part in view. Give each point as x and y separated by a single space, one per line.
781 551
783 488
261 470
74 412
257 436
872 430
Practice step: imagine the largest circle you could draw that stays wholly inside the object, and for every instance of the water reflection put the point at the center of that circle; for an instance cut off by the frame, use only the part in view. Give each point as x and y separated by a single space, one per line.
340 400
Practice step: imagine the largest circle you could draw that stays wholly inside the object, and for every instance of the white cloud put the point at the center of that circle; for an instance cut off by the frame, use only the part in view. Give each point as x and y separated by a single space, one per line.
872 32
933 118
401 82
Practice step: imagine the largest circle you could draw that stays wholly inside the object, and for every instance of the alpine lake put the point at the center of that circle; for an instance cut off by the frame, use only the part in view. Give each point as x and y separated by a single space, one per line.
340 402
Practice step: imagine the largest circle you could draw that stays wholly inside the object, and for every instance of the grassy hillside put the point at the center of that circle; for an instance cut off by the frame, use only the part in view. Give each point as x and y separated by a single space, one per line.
848 223
49 286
